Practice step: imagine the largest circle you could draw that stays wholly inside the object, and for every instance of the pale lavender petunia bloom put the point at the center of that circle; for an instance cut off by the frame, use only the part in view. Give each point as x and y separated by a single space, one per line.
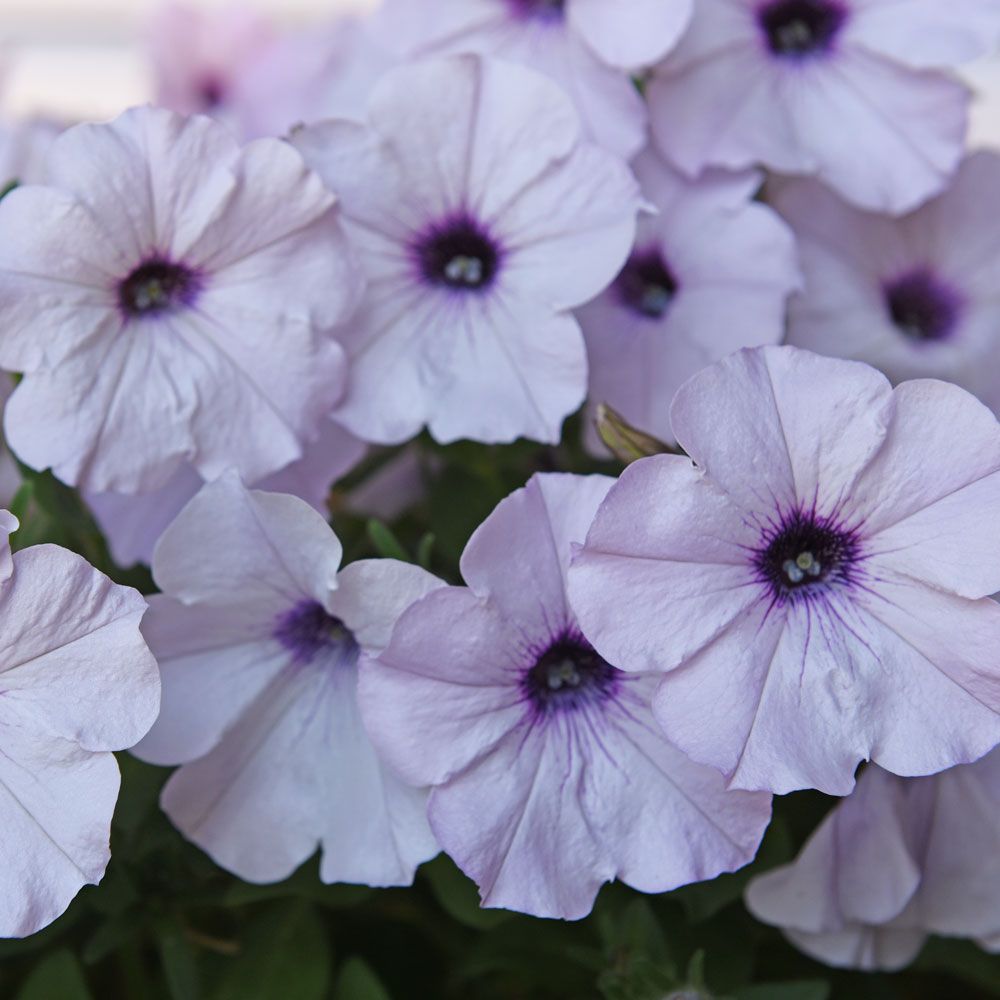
709 273
852 91
169 295
133 522
586 46
326 71
550 776
24 145
479 229
201 58
817 577
77 682
896 861
259 635
915 296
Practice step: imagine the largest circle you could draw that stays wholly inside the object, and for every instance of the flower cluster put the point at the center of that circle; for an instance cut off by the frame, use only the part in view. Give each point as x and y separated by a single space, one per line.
749 227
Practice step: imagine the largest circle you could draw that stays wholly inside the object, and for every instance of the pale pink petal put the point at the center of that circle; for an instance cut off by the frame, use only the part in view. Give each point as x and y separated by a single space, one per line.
74 662
800 427
234 547
632 34
453 687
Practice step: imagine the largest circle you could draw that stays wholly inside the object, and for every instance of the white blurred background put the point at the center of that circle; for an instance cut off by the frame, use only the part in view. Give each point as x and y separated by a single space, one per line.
76 59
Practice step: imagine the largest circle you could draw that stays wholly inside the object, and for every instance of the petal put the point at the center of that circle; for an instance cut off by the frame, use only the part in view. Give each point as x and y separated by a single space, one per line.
859 867
927 499
213 662
518 557
236 547
511 372
515 825
799 427
666 820
868 949
938 690
56 801
74 660
912 125
664 569
441 697
925 32
371 594
632 34
962 857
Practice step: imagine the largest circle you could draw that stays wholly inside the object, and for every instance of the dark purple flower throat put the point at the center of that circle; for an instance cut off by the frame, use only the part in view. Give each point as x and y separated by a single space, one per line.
459 254
646 284
569 675
921 306
804 553
308 630
796 29
157 286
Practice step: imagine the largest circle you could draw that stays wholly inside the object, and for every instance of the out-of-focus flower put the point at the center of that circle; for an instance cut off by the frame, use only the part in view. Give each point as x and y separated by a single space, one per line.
169 296
584 45
133 522
78 682
848 90
899 859
478 231
550 777
709 274
201 57
814 584
308 76
259 637
915 296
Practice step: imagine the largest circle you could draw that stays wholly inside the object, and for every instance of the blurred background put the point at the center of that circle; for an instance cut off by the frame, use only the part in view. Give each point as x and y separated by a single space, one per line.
83 59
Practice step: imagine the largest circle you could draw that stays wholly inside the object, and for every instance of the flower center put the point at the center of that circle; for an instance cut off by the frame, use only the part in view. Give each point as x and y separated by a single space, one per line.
805 553
539 10
157 286
458 254
569 675
211 93
797 28
921 307
646 284
308 629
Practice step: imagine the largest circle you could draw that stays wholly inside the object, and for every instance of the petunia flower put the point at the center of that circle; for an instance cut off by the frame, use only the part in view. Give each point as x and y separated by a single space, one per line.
709 273
586 46
895 861
259 636
478 232
132 523
915 296
168 295
813 585
851 91
77 682
325 71
200 58
549 774
23 147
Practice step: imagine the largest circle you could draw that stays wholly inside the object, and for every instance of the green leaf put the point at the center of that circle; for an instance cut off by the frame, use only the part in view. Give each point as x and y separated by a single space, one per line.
385 542
458 896
180 962
803 989
358 982
57 977
425 550
284 953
